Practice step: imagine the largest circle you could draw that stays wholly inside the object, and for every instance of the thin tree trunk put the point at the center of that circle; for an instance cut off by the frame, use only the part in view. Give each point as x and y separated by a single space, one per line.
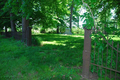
105 22
13 28
25 24
5 31
57 29
78 22
71 17
116 26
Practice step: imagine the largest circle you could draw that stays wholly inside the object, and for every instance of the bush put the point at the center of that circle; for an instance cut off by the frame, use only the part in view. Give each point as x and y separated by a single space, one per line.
62 29
36 41
77 31
51 30
43 30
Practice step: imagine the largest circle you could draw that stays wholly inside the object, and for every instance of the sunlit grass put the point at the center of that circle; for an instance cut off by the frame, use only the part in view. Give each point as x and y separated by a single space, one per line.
53 60
52 43
115 37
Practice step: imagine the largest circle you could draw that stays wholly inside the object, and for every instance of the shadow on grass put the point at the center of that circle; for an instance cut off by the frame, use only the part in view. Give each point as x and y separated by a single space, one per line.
50 61
67 50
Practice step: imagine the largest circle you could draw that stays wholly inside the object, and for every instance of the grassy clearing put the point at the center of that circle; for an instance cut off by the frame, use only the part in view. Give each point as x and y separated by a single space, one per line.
56 58
52 57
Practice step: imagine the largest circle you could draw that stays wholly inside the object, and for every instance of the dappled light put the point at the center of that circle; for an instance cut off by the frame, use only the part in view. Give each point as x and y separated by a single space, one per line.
59 39
57 56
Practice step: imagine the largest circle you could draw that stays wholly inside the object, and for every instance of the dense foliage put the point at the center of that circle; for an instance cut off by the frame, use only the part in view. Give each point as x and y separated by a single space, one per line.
44 15
55 13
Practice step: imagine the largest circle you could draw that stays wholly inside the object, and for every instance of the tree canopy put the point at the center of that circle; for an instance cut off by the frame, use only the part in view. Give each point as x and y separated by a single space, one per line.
53 12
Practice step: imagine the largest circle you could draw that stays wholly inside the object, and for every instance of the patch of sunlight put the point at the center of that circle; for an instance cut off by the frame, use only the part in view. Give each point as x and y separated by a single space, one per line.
47 42
64 44
117 39
62 41
72 47
78 36
53 43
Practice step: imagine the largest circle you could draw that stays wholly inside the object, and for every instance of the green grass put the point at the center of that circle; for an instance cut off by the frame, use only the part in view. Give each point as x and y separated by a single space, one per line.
51 57
57 57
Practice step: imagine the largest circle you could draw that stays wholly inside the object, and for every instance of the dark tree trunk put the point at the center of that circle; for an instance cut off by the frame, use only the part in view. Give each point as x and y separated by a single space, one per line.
105 25
25 24
71 17
105 29
57 29
13 28
116 26
5 31
78 26
28 36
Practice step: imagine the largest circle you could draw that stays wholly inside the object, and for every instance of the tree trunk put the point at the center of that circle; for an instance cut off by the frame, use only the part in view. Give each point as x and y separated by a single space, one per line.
5 31
71 17
57 29
78 22
86 53
25 24
13 28
105 25
28 36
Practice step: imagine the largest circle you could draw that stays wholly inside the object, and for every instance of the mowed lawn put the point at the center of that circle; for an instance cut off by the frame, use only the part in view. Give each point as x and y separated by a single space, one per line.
57 57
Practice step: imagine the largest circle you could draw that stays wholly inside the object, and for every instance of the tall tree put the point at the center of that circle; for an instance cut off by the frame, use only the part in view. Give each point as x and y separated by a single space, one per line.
4 16
71 15
13 28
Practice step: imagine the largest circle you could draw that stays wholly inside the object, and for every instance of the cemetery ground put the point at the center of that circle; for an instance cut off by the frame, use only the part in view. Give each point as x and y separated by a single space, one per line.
51 57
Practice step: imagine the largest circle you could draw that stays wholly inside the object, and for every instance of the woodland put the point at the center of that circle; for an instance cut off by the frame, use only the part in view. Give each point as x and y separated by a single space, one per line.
53 54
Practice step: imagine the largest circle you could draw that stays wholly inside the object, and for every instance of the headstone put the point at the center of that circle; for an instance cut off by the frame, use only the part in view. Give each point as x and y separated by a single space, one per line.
67 31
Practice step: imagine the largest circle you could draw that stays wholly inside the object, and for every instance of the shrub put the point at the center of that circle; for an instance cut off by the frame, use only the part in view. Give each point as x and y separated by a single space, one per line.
43 30
36 41
77 31
62 29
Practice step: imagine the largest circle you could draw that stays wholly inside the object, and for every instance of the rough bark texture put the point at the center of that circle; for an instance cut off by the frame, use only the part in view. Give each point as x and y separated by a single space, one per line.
71 17
25 24
13 28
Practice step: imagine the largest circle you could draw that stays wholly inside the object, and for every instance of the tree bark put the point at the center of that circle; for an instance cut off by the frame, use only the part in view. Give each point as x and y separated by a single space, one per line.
71 17
28 36
25 24
5 31
105 25
78 22
86 53
57 29
13 28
